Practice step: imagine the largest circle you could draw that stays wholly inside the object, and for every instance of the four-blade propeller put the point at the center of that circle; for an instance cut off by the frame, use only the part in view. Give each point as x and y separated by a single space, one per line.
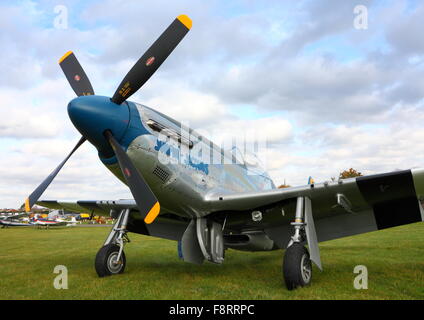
143 69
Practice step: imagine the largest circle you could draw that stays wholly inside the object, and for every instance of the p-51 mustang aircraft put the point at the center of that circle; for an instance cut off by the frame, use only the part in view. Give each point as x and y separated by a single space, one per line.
209 207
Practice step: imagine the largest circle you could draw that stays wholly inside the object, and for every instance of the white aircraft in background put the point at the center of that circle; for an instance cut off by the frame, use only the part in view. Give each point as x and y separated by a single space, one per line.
46 222
14 221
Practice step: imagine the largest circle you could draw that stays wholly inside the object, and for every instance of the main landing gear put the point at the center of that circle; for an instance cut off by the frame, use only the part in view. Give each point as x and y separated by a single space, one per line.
110 259
297 263
297 266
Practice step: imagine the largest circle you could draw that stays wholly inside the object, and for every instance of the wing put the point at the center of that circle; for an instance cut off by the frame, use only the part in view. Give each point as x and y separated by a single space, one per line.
340 208
15 217
164 226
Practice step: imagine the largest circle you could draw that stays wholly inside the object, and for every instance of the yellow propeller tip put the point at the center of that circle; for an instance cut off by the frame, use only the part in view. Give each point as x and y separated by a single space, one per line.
65 56
153 213
185 20
27 206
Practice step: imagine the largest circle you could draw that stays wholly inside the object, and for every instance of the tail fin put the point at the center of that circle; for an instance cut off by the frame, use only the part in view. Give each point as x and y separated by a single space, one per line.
310 180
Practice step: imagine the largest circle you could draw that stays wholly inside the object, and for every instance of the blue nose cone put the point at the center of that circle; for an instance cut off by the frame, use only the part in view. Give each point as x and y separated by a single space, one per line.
93 115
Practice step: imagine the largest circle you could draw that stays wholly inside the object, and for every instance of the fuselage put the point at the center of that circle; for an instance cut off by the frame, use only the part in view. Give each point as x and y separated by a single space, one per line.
7 223
180 166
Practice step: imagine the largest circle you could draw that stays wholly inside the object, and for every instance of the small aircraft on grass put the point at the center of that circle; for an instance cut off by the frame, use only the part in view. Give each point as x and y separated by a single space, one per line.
14 221
209 207
42 222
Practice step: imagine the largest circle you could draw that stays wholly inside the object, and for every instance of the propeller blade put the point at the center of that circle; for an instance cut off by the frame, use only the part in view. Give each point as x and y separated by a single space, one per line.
36 194
75 75
147 202
152 58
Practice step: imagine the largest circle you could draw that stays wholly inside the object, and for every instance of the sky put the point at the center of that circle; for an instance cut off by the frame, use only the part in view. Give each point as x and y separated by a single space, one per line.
328 84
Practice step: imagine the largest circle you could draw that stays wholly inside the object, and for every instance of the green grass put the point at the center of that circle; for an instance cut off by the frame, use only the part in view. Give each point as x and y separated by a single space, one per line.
394 258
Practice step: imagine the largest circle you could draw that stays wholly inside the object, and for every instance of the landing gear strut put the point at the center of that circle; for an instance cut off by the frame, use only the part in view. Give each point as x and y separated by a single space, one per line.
297 264
110 259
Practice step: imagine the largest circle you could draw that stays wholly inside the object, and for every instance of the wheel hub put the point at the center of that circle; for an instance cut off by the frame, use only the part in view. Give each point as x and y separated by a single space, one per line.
113 264
306 268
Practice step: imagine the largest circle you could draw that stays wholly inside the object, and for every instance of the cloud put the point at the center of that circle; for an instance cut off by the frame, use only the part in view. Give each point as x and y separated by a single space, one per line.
82 177
36 112
402 41
315 87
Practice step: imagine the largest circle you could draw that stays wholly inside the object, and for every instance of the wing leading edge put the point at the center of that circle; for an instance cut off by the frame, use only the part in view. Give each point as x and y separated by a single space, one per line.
96 207
163 227
362 192
340 208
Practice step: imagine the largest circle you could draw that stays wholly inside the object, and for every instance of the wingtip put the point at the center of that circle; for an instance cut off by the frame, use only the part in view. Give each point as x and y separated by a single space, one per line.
185 20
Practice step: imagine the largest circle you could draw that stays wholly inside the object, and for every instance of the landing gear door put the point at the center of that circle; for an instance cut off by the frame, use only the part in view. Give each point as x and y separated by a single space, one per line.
311 235
190 249
217 243
210 239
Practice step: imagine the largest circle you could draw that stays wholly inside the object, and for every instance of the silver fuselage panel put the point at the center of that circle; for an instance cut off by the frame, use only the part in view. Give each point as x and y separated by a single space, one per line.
167 156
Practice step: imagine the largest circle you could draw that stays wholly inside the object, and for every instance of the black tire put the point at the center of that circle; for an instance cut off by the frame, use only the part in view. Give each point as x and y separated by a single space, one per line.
104 261
297 267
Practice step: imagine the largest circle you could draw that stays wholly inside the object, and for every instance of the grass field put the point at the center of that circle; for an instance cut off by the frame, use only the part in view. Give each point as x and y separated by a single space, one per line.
394 258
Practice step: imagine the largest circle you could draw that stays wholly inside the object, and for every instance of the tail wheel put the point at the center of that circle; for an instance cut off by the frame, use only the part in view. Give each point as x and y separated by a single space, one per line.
297 266
107 263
